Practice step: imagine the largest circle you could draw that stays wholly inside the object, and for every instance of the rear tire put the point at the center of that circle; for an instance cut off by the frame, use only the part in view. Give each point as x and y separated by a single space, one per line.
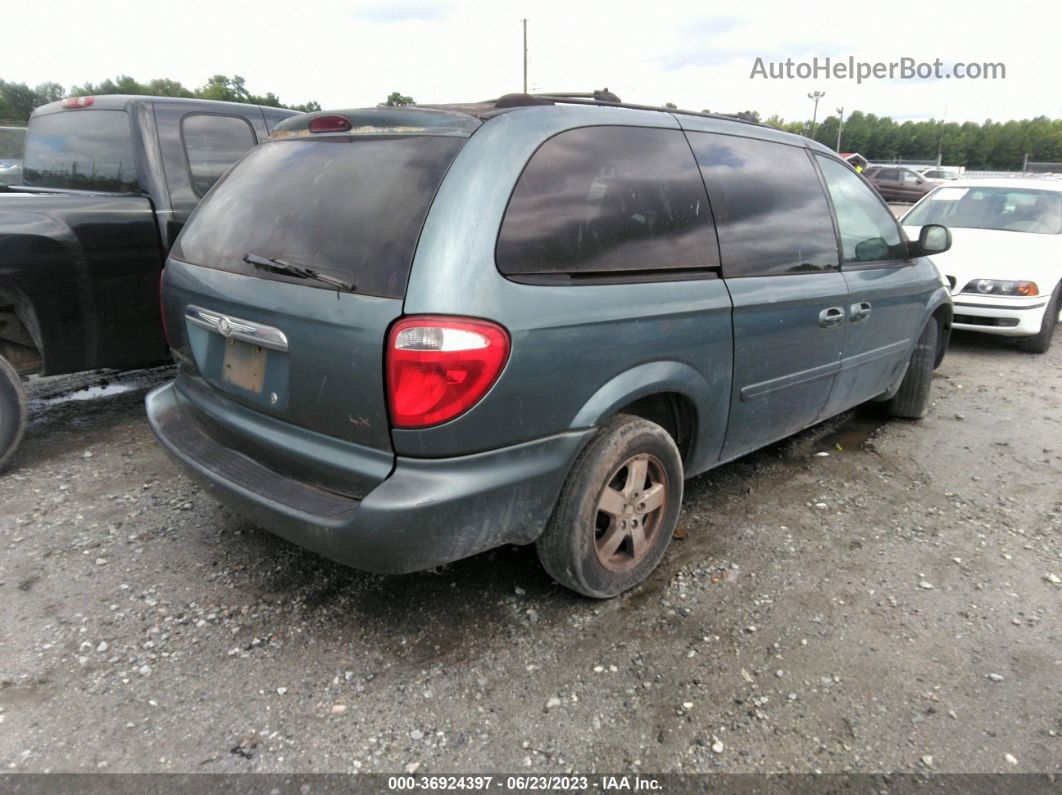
12 412
912 399
1041 342
617 511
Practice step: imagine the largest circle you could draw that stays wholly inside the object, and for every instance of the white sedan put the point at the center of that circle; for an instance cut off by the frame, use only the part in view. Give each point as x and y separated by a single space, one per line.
1005 261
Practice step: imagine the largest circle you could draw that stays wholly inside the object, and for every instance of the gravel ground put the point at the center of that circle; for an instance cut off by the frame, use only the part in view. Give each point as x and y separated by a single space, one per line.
870 595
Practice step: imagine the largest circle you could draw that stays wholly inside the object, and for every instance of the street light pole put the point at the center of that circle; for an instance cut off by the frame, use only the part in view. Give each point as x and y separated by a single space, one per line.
840 127
816 96
940 140
525 56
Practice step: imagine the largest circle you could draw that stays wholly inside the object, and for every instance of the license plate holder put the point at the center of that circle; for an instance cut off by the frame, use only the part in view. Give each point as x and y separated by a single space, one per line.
244 366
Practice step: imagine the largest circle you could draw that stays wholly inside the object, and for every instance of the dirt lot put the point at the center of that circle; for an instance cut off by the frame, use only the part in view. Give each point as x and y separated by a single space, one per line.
870 595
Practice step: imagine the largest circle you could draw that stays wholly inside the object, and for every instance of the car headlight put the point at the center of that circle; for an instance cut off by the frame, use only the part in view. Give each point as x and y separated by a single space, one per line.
1000 287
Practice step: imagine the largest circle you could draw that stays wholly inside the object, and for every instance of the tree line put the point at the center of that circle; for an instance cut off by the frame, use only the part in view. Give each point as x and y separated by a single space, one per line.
17 100
989 146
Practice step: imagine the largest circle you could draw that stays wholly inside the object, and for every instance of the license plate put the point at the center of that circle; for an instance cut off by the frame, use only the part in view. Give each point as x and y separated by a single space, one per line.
244 365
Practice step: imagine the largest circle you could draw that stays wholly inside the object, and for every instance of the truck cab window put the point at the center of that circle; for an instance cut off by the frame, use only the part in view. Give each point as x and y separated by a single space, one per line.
81 149
212 143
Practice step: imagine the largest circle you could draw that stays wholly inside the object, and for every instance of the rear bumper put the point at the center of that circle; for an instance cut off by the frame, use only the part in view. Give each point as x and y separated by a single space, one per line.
1008 317
427 512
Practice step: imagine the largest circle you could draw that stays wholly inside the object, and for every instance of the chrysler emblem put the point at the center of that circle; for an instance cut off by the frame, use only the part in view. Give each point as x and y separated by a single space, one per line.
224 328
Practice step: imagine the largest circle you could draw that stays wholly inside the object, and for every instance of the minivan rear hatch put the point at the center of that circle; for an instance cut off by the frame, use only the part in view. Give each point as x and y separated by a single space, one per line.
244 317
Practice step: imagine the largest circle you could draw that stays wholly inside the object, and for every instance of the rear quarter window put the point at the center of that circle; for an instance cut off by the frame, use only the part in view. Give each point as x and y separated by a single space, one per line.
770 208
607 201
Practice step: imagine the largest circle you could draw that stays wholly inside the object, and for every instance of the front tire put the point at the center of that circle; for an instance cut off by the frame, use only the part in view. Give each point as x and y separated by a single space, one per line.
911 401
12 412
617 511
1041 342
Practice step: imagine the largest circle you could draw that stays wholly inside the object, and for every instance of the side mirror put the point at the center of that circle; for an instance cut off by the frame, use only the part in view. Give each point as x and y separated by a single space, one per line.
873 249
933 239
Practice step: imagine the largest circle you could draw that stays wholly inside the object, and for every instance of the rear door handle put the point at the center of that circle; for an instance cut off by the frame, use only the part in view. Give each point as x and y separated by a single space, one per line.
860 311
828 318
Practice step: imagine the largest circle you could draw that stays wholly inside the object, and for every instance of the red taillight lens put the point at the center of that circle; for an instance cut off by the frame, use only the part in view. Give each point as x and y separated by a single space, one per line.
329 124
78 102
439 367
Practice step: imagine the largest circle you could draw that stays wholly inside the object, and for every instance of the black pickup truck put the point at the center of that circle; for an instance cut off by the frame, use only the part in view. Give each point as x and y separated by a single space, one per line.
107 183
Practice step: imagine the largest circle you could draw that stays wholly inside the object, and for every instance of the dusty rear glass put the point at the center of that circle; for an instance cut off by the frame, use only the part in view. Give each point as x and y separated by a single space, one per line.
81 149
351 208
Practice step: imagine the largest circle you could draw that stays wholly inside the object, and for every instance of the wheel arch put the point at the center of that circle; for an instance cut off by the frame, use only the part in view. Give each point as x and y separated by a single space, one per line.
664 392
942 315
21 339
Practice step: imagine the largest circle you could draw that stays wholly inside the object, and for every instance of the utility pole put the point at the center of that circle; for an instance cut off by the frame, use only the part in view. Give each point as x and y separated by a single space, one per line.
525 55
814 115
840 126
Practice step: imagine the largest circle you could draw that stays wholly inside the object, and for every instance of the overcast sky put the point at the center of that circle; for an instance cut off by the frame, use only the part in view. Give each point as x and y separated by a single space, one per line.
345 53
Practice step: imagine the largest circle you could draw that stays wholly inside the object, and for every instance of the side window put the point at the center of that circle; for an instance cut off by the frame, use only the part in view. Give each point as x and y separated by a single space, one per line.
769 205
910 178
212 144
889 174
608 200
868 231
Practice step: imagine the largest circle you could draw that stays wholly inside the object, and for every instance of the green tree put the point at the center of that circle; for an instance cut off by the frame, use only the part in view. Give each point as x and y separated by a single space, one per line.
224 89
17 101
396 99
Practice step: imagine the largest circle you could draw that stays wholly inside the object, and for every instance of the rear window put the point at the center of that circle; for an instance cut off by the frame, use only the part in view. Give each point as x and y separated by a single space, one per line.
350 208
81 149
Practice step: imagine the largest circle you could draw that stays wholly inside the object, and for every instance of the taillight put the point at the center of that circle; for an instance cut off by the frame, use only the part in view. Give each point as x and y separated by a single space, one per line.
329 124
162 307
439 367
78 102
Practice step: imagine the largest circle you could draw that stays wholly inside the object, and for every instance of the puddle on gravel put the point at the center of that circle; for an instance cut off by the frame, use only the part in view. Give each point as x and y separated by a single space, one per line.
854 432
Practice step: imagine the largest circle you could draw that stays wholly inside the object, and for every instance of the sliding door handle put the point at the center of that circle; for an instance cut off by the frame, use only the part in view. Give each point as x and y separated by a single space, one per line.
828 318
860 311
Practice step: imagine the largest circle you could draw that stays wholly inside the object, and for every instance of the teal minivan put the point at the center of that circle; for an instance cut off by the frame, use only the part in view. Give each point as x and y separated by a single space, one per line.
409 335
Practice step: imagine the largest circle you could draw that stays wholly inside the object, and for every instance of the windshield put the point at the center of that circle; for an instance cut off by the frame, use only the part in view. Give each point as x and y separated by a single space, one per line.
350 208
82 149
1007 209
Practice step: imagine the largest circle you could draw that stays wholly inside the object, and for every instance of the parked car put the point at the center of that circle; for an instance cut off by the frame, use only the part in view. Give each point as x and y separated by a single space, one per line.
406 336
939 175
1005 268
897 184
10 172
107 184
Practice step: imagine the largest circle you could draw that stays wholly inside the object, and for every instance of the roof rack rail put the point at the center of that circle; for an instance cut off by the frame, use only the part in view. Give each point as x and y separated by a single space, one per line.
603 95
595 99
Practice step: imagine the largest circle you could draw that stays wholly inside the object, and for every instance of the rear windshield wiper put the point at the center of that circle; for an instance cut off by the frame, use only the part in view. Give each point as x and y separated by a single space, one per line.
275 265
